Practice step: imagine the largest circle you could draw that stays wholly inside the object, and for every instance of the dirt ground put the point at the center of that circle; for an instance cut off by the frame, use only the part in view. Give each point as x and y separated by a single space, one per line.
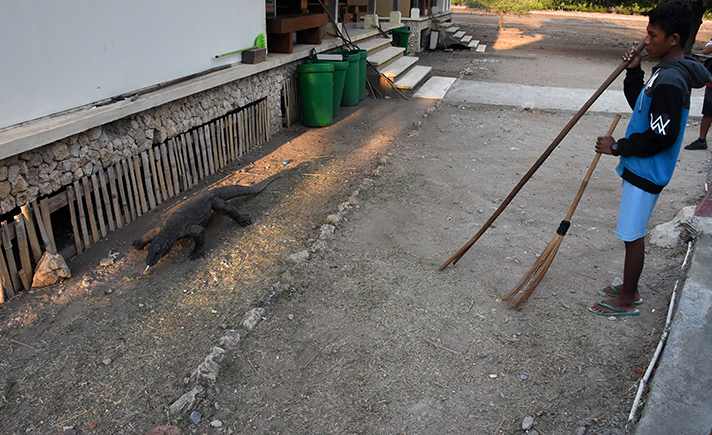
367 335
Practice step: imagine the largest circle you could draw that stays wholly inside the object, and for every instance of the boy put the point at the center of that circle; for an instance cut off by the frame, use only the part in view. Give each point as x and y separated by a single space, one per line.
649 151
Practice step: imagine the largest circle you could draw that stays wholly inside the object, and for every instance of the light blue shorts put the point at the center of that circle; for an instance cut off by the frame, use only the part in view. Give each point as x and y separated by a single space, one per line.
636 208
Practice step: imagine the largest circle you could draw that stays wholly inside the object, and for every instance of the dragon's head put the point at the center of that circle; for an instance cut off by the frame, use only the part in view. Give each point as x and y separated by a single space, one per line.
157 250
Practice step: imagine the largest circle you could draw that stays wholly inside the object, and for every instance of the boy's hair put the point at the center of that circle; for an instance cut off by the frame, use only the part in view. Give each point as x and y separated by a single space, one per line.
674 16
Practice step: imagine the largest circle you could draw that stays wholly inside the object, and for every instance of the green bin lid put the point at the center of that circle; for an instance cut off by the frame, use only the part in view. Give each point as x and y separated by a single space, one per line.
338 64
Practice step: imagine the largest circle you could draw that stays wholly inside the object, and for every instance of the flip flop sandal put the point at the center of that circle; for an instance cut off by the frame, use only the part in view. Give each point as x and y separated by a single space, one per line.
617 312
616 293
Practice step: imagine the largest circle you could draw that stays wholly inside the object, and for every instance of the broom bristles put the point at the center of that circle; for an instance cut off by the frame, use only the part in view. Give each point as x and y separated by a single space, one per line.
536 273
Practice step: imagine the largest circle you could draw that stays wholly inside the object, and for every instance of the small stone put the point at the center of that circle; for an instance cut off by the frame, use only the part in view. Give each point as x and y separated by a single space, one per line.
480 210
299 257
581 430
528 422
523 377
106 361
493 376
216 423
290 316
195 417
106 262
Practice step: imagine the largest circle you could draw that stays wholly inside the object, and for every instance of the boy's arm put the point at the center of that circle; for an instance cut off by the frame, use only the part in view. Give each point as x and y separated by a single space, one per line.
664 117
633 84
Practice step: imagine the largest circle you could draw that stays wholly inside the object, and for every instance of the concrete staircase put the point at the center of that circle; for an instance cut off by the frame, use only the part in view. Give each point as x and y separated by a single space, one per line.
391 62
452 35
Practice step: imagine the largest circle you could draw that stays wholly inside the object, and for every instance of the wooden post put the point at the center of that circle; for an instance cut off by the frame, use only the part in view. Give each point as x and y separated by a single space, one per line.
24 250
135 171
73 218
7 282
47 222
130 190
143 163
31 232
90 209
99 209
10 258
167 171
82 216
107 200
115 196
154 158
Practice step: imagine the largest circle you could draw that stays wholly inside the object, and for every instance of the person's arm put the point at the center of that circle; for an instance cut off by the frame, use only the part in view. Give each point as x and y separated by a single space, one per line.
665 115
633 84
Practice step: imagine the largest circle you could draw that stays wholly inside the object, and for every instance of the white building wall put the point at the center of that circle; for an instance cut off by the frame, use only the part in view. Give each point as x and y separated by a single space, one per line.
57 55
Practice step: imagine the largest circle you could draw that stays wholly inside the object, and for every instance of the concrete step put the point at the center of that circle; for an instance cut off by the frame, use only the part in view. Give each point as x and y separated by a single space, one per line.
480 48
414 76
459 34
372 45
445 25
435 87
396 68
474 43
466 39
382 57
452 29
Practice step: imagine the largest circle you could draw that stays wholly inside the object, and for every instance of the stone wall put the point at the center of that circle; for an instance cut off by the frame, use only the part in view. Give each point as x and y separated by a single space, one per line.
48 169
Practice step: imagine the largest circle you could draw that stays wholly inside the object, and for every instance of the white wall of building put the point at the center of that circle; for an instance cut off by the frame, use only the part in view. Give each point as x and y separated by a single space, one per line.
57 55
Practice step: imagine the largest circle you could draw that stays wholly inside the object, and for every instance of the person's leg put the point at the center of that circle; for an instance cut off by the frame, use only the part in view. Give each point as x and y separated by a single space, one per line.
705 123
632 269
635 211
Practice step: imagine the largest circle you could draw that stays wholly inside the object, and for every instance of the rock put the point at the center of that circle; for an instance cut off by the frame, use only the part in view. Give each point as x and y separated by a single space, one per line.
667 235
270 299
106 361
69 430
216 423
327 231
252 318
232 339
187 400
333 219
106 262
299 257
165 430
195 417
528 422
50 270
581 430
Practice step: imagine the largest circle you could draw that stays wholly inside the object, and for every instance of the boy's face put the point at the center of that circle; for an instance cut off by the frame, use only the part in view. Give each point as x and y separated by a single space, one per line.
661 46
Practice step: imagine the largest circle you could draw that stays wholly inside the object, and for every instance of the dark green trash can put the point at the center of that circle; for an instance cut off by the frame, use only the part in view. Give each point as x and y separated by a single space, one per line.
340 68
351 80
401 36
316 87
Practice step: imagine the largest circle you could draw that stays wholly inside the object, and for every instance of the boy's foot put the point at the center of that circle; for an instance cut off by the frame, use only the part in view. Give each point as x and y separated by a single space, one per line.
699 144
611 307
612 292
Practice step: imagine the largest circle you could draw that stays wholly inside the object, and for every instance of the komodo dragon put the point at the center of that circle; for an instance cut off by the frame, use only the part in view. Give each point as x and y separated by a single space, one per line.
188 221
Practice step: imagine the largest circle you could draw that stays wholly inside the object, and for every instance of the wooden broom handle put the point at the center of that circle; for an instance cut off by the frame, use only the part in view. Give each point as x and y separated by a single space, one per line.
543 157
584 183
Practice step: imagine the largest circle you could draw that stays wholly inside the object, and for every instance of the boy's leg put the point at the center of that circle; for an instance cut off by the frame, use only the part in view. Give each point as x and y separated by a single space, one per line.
635 211
632 269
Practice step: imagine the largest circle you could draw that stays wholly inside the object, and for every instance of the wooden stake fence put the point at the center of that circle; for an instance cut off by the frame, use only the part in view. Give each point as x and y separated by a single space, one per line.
109 199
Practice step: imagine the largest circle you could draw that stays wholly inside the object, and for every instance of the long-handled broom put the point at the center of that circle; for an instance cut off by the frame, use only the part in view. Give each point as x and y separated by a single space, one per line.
532 278
456 256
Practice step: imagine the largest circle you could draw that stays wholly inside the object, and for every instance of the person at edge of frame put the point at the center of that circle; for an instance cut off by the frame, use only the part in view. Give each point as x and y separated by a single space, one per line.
652 143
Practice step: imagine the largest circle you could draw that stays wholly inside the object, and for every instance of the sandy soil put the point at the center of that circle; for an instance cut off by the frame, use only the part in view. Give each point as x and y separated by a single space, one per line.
368 336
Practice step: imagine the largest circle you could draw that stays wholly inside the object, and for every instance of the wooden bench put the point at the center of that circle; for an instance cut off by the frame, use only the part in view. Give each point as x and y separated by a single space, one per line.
281 30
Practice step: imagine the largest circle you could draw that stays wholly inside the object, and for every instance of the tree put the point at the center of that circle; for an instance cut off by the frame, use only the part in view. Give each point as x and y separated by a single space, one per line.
504 7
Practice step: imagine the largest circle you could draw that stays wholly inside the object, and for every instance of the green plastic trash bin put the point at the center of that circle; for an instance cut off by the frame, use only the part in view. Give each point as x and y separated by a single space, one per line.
316 87
362 75
340 68
401 36
351 80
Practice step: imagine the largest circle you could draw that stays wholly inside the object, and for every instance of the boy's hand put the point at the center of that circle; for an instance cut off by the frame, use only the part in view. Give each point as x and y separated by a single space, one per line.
603 145
633 56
